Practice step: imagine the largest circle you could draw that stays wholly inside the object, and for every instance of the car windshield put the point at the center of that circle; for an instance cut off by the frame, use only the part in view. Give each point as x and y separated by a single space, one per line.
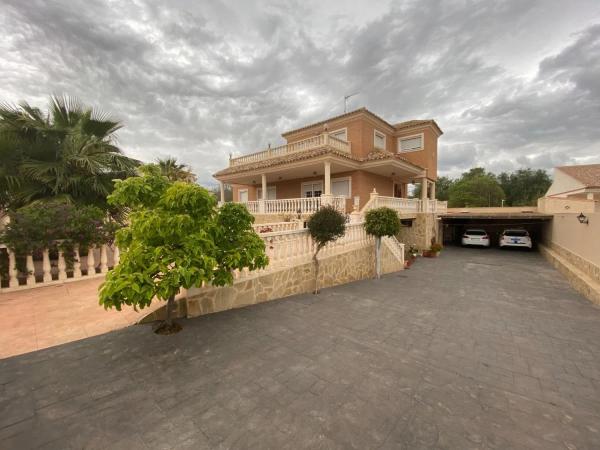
476 232
516 233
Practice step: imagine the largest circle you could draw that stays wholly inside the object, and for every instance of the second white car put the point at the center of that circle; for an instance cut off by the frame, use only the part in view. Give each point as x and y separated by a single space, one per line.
515 238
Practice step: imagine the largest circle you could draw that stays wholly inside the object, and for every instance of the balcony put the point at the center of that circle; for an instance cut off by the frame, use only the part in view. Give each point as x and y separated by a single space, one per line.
312 143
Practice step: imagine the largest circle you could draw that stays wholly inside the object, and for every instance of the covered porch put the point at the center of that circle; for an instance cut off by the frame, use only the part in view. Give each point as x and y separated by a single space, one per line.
301 187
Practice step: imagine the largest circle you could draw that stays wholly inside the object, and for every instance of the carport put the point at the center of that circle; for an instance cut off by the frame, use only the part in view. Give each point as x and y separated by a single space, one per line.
455 223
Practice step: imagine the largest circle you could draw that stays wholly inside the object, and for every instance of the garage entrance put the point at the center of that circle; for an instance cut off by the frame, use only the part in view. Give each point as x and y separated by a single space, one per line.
455 224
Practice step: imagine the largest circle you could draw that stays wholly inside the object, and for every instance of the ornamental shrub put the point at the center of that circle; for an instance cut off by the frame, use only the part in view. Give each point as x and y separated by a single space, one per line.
325 225
381 222
176 238
56 225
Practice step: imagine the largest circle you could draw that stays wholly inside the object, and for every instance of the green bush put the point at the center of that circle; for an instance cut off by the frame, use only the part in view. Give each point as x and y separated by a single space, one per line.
381 222
37 227
176 238
326 225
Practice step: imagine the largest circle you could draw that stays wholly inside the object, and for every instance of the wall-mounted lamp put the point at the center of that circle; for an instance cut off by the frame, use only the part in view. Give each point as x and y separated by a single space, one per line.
583 218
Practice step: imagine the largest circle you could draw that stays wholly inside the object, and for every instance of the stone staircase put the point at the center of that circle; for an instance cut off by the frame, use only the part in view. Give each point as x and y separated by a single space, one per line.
395 247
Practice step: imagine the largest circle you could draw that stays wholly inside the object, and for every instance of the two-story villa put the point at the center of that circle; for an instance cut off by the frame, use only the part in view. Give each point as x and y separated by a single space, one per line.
339 161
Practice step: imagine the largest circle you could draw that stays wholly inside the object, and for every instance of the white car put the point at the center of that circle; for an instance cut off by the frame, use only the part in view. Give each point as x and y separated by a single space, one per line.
515 238
476 236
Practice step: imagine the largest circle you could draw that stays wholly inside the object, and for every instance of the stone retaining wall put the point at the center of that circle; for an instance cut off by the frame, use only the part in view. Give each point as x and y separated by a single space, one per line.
570 265
353 265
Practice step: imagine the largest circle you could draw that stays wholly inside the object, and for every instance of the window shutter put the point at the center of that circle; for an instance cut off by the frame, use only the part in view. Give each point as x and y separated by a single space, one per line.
340 188
379 141
411 143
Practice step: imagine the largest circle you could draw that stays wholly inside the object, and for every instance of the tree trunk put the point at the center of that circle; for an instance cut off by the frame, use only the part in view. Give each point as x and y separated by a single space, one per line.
316 260
169 319
378 256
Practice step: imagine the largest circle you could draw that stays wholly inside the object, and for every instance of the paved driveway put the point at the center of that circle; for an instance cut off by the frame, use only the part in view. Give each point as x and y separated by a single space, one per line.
475 349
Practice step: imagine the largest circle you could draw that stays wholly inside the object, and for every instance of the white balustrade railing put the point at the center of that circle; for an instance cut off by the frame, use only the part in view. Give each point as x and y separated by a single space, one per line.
290 248
401 204
311 143
277 227
406 205
47 270
252 206
292 206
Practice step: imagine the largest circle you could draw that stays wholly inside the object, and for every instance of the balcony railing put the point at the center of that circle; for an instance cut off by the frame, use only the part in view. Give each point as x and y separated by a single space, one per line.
406 205
322 140
295 205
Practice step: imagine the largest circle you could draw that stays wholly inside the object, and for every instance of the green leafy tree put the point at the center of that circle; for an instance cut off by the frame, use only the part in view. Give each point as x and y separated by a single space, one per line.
381 222
442 188
525 186
475 188
69 154
325 226
174 171
176 238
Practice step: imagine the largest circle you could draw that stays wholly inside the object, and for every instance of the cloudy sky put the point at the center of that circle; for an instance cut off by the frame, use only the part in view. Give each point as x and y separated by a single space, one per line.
512 83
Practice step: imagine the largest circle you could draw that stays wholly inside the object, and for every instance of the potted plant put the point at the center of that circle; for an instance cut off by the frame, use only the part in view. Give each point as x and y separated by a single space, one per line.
435 249
411 255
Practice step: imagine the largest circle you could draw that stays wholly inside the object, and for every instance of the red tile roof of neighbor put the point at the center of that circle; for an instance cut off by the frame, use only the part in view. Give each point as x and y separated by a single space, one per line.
588 174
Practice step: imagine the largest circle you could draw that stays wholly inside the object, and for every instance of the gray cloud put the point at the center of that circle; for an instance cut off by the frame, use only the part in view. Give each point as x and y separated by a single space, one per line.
511 83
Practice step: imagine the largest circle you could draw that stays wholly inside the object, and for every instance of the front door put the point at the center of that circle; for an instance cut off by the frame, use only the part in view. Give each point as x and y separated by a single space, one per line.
312 189
397 190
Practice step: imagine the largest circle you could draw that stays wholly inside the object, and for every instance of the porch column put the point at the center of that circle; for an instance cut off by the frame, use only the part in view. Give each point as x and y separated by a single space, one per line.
327 178
222 188
424 194
326 198
264 193
432 191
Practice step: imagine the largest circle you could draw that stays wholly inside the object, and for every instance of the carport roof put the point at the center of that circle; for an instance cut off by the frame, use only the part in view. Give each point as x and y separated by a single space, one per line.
491 216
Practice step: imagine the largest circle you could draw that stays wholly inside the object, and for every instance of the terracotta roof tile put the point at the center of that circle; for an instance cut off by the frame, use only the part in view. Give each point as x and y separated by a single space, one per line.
341 116
588 174
308 154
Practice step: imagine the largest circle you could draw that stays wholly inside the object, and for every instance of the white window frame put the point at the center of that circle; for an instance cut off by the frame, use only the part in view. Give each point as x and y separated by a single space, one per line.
304 183
240 195
403 138
377 132
259 192
349 179
345 130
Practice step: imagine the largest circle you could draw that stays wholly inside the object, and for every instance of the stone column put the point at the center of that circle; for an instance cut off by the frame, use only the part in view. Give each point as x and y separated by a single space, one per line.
264 193
326 197
424 194
432 191
327 186
222 188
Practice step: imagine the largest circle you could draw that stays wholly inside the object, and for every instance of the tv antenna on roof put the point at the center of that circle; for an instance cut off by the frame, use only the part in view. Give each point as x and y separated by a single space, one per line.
346 97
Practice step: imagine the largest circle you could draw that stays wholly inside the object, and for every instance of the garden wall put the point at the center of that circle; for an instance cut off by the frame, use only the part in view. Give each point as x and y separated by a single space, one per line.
353 265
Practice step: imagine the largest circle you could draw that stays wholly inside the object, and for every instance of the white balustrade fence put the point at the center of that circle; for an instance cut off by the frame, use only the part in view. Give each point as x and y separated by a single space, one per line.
311 143
46 270
292 206
402 204
277 226
290 248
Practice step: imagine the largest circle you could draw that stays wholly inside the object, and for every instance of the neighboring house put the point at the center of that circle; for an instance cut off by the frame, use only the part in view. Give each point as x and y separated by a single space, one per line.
339 161
576 182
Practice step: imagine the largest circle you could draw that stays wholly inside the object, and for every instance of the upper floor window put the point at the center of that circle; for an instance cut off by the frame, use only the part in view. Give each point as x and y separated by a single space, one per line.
341 134
378 140
410 143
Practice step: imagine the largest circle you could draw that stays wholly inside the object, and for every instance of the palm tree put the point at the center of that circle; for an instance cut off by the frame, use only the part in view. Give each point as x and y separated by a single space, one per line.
170 168
68 154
